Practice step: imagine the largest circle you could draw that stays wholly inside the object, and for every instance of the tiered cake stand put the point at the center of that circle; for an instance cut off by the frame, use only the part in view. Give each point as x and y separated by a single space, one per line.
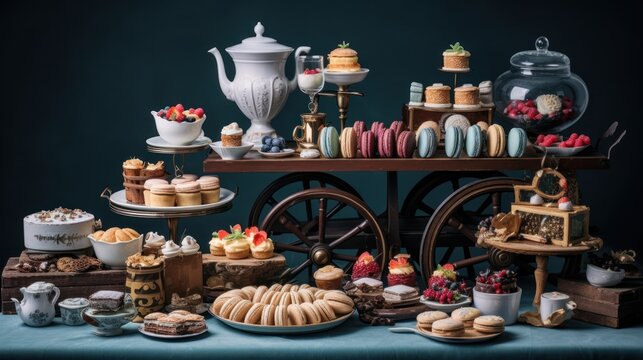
343 80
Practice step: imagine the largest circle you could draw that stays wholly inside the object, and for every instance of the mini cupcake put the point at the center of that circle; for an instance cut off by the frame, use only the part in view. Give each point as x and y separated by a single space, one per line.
261 246
133 167
217 243
456 58
162 195
148 185
467 96
366 266
437 96
231 135
329 277
235 244
210 189
188 193
400 271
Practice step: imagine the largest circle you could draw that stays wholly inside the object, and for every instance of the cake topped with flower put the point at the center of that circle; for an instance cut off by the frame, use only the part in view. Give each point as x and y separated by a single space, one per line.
260 244
366 266
238 244
400 271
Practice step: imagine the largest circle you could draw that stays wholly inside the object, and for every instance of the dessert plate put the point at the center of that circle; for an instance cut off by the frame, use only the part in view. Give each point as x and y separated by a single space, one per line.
284 330
345 77
157 141
464 301
555 150
282 153
118 198
470 335
141 329
454 70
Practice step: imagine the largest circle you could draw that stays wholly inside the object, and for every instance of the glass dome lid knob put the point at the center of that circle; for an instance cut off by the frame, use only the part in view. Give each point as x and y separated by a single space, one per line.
542 44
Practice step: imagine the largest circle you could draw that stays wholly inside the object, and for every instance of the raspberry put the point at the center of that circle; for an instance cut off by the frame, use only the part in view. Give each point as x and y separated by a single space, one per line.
538 117
586 140
179 108
540 139
513 113
530 103
573 136
199 112
532 112
562 144
548 142
579 143
569 143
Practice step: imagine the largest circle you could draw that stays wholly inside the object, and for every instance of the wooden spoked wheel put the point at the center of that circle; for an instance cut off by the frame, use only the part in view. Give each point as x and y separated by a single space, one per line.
289 184
458 217
421 202
331 236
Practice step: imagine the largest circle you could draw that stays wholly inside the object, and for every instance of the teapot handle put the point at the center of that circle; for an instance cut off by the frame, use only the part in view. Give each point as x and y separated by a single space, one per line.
56 296
292 84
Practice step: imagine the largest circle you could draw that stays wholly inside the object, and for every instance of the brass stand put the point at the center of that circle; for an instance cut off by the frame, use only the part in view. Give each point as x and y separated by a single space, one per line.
343 100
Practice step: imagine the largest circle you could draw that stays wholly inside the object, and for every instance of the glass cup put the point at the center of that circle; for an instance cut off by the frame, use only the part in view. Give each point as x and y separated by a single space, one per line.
310 77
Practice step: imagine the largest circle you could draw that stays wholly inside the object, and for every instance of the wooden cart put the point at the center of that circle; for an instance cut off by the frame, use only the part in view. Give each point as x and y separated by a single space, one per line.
318 215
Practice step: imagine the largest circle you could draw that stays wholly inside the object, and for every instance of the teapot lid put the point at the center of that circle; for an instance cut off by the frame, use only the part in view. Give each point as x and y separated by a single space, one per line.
40 286
541 58
259 44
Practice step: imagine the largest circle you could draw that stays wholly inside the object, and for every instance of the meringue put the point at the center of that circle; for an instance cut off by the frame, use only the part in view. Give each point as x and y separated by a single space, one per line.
154 240
536 200
189 245
170 249
309 154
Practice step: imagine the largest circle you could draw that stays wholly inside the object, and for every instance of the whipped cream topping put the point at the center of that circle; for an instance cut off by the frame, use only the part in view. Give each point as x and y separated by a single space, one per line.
170 249
236 245
263 247
189 245
59 216
232 129
154 239
217 243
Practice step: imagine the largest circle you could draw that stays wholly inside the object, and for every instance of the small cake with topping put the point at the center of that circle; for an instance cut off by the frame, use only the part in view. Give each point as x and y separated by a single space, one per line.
329 277
456 58
437 96
189 245
400 271
366 266
261 245
343 59
231 135
170 249
467 96
216 244
235 244
106 300
58 230
311 80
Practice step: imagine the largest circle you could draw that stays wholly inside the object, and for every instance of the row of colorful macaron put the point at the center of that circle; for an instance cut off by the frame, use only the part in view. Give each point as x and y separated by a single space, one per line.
397 141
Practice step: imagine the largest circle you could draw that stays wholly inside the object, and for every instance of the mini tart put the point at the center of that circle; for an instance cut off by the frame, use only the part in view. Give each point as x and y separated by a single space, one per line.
343 59
188 194
437 95
328 277
210 189
236 249
217 246
162 195
265 250
467 94
401 271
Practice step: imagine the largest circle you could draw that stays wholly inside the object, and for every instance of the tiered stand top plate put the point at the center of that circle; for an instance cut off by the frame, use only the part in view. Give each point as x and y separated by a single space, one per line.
254 162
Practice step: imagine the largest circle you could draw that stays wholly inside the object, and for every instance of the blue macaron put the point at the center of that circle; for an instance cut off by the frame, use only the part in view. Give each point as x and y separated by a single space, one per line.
474 141
453 142
516 142
329 143
427 143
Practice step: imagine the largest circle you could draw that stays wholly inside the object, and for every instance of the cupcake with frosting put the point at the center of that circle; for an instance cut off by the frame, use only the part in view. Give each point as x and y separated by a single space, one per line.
153 242
261 245
235 244
400 271
170 249
231 135
217 243
328 277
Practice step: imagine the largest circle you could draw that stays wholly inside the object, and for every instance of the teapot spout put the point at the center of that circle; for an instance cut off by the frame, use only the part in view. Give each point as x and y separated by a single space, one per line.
292 84
17 304
223 78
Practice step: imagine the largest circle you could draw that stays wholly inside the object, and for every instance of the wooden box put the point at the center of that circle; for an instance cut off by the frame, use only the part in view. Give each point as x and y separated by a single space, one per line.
414 116
546 224
183 274
70 284
615 307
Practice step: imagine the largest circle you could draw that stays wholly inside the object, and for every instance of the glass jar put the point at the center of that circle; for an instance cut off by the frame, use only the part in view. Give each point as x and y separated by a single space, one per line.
540 93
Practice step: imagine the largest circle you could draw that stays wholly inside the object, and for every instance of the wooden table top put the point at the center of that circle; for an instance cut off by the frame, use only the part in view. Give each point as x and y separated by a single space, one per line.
526 247
254 162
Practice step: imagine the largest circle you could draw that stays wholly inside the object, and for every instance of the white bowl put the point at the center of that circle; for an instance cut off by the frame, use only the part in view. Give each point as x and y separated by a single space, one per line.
600 277
176 133
503 305
114 255
231 152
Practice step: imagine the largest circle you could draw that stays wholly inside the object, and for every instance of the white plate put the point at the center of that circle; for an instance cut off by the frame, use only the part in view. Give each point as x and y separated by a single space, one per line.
555 150
118 198
282 153
284 330
455 70
463 301
471 336
141 329
157 141
345 77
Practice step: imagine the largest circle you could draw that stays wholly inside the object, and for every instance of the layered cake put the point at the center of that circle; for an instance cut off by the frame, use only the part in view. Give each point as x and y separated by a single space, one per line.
107 300
179 322
456 58
58 230
437 96
467 96
343 59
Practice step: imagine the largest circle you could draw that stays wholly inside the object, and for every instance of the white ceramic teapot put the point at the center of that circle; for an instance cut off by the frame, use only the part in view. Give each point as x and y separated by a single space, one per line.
37 305
260 87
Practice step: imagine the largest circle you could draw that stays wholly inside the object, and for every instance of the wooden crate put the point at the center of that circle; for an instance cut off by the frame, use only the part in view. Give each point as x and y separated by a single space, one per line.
616 307
574 224
70 284
183 275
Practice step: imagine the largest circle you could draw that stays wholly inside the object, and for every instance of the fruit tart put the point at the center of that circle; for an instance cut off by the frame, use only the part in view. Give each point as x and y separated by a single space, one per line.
444 287
366 266
400 271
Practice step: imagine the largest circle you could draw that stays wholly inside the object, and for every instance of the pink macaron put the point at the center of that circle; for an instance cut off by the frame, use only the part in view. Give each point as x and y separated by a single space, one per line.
386 143
359 127
406 144
397 126
367 144
377 127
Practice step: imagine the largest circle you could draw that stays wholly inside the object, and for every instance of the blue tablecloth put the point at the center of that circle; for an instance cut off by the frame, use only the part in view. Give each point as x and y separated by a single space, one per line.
352 340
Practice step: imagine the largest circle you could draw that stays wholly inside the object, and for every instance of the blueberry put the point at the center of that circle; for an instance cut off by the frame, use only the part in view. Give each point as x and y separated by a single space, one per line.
275 149
266 140
265 148
276 142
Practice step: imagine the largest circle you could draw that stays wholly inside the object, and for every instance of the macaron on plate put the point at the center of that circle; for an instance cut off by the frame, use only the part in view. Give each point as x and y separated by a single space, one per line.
470 335
284 330
280 154
118 201
463 301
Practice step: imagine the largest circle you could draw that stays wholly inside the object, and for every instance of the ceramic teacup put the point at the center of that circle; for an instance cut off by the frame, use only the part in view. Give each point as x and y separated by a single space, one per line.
551 302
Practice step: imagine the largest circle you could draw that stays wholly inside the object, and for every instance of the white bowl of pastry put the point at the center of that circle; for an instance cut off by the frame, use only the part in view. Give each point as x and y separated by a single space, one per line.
113 246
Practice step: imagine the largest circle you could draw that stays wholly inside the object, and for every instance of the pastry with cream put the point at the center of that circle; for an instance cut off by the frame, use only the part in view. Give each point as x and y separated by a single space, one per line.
261 245
400 271
170 249
216 245
154 242
188 194
329 277
189 246
343 58
231 135
235 244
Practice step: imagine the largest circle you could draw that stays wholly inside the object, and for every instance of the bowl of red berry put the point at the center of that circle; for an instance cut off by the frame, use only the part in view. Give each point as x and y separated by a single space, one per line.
444 291
497 293
554 144
177 125
603 271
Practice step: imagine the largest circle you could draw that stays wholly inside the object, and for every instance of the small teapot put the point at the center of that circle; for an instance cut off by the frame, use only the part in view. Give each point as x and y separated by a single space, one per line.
37 305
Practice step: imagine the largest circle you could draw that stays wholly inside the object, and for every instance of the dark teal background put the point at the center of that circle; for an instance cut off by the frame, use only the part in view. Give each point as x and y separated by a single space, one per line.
80 79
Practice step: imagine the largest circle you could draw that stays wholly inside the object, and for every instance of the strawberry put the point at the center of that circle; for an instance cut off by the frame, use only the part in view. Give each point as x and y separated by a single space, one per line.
448 267
199 112
530 103
586 140
180 118
532 112
251 230
513 113
578 143
525 109
222 234
236 228
540 139
539 116
520 106
179 107
259 238
564 199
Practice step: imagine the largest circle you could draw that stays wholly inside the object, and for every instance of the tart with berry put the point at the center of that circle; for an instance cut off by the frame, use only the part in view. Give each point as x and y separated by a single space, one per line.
235 244
444 288
400 271
261 245
366 266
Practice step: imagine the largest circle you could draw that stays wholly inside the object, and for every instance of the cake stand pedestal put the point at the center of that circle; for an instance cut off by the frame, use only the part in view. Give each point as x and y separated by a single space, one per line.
343 80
